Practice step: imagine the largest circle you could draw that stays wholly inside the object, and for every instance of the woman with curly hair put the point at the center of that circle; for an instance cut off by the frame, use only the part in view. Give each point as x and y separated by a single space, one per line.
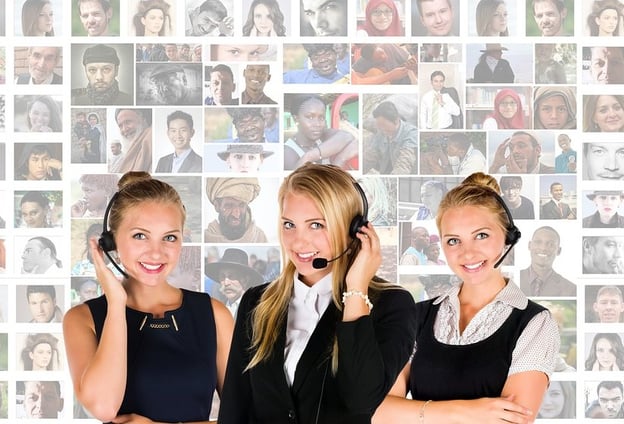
152 18
41 353
606 18
265 19
606 353
37 18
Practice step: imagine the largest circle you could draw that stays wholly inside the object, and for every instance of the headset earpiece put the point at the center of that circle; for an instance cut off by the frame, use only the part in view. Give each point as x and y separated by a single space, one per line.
107 240
359 221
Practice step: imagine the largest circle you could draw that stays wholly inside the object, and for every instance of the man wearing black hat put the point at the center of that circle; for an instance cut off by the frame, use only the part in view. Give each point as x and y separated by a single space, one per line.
234 275
607 204
324 70
244 158
492 68
101 64
171 86
180 132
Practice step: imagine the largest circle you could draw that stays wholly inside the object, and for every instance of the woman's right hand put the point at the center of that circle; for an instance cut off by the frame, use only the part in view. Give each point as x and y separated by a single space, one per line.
112 287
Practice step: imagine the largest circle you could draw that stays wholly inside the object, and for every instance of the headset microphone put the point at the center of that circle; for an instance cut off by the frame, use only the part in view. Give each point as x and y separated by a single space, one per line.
106 242
512 233
320 263
357 222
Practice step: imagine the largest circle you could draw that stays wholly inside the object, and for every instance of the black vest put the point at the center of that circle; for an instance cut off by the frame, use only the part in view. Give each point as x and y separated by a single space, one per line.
443 372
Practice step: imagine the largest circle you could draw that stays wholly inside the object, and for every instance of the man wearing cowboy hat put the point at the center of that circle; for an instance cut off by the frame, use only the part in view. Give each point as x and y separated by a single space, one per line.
231 198
234 276
492 68
180 132
101 64
607 204
172 87
244 157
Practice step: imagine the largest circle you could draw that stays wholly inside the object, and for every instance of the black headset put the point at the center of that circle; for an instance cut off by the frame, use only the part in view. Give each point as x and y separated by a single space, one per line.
359 221
107 240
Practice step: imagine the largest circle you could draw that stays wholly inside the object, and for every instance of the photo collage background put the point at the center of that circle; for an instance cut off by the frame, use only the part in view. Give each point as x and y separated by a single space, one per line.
325 86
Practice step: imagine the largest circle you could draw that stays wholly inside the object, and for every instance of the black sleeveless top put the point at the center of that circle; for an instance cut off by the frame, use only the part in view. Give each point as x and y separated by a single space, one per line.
441 371
172 372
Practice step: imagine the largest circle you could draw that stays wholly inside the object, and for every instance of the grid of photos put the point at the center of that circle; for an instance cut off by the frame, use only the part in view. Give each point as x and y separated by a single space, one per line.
223 98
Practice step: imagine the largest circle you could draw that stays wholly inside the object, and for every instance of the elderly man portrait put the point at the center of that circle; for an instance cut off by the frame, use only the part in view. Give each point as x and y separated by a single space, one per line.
135 128
41 61
539 278
234 276
101 65
169 84
96 17
231 198
180 131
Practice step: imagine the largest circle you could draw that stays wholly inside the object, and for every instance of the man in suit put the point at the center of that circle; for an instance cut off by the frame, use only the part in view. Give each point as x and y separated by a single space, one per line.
540 279
437 107
41 63
555 208
180 132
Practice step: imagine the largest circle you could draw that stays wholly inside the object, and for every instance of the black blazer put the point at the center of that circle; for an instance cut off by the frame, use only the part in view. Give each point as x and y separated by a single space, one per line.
373 350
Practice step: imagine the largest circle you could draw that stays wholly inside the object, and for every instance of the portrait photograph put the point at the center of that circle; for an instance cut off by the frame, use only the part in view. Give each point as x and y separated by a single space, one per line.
602 208
178 130
493 18
88 135
38 65
224 52
603 18
521 152
604 303
40 399
436 18
38 161
603 113
603 254
241 158
550 18
97 18
267 18
518 193
509 63
39 302
447 153
559 401
222 84
316 21
35 113
604 351
603 65
151 18
603 158
384 63
497 108
169 84
419 197
604 398
312 64
38 18
210 18
81 258
419 244
380 18
83 289
40 351
558 199
37 209
41 256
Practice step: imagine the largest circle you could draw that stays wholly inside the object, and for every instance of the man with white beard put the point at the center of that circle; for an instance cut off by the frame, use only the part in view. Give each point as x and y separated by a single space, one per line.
135 126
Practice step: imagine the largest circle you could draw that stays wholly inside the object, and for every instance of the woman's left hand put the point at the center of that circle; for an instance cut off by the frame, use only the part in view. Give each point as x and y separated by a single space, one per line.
367 262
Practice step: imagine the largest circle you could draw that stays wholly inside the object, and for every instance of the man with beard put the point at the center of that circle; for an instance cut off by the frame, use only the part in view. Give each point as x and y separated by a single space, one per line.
135 126
231 198
324 67
234 276
415 253
171 86
256 77
540 279
180 132
249 124
95 16
603 255
101 65
550 16
41 64
519 154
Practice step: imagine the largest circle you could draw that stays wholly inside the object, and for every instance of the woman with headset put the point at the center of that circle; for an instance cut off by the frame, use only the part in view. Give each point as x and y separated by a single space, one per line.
157 352
495 347
324 341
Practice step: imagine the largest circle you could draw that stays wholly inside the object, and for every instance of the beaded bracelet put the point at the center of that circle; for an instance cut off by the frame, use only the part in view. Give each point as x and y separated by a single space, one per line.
421 414
359 294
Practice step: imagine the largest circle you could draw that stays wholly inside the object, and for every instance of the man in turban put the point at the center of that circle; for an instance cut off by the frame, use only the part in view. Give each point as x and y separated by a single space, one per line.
231 198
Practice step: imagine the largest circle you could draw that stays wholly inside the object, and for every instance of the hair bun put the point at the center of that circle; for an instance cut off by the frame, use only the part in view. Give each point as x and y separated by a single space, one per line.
133 177
484 180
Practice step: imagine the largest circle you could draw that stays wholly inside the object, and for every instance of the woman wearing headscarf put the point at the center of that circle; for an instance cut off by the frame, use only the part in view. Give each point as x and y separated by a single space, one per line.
381 20
508 112
554 108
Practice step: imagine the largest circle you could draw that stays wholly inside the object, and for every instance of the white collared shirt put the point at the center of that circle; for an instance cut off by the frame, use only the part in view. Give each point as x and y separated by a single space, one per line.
305 310
178 160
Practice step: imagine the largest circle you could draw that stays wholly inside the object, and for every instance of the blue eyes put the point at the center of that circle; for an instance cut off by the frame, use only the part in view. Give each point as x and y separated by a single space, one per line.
141 236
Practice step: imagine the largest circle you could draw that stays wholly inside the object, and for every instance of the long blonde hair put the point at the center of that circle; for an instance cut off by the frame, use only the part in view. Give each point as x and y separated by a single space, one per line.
334 194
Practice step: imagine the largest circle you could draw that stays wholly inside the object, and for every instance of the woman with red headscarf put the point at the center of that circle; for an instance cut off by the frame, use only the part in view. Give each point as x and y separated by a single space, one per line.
508 112
382 19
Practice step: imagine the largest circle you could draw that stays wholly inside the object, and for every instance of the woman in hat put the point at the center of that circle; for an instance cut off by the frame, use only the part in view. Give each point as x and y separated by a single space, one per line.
491 18
554 108
244 158
492 68
324 341
508 111
143 329
607 204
